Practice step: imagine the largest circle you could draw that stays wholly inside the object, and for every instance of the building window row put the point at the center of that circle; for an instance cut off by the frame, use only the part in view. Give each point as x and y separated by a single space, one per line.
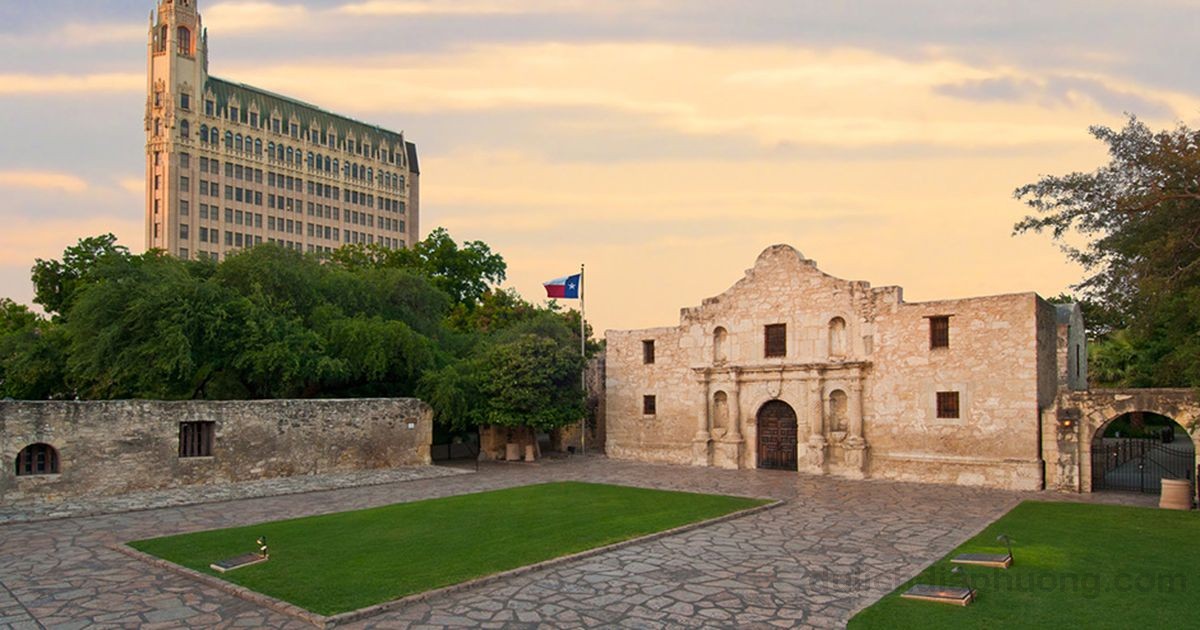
312 135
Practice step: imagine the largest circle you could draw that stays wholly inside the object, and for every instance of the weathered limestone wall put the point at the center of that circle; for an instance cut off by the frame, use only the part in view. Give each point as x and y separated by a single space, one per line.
992 361
858 372
114 447
665 436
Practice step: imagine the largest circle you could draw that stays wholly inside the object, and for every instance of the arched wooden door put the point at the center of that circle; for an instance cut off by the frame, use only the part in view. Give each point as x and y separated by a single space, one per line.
777 436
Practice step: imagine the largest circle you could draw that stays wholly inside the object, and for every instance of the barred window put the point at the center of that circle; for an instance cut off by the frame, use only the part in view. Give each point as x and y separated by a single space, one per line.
37 459
196 439
775 340
939 331
648 405
947 405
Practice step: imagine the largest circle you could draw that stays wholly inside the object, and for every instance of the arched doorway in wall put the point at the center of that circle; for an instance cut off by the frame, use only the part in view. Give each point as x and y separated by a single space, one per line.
1135 451
776 422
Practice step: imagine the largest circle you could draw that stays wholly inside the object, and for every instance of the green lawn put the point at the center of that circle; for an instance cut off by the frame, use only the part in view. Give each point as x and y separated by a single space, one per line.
339 562
1076 566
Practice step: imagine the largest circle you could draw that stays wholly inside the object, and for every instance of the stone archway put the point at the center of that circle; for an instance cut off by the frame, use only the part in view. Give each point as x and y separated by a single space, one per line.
1136 450
1082 416
777 429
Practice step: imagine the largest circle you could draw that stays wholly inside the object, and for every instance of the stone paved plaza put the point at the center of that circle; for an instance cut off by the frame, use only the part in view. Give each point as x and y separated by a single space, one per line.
833 548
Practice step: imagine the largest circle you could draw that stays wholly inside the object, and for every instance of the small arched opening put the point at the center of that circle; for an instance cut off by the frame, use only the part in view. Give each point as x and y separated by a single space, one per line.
184 37
37 459
1135 451
719 345
837 337
776 426
837 410
720 417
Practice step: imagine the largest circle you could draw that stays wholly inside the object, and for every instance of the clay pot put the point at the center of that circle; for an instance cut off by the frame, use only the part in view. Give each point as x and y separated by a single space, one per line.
1176 494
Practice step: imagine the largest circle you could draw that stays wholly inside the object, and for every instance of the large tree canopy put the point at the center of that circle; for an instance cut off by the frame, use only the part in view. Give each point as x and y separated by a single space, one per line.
270 322
1139 219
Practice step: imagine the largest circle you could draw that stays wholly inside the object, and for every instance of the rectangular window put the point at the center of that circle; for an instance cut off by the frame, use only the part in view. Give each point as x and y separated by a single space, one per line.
229 193
185 184
253 119
185 160
229 215
229 238
229 169
185 101
648 406
775 340
648 351
209 107
939 332
947 404
196 439
183 230
184 207
183 253
203 234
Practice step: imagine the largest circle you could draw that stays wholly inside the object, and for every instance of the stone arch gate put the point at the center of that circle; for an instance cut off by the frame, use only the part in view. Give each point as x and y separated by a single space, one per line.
1068 435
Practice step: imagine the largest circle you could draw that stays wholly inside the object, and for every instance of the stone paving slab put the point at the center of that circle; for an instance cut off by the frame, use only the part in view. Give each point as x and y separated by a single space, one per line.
834 547
192 495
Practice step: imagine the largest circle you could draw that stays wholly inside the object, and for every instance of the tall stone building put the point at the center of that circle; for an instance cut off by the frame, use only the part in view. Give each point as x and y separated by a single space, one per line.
229 166
795 369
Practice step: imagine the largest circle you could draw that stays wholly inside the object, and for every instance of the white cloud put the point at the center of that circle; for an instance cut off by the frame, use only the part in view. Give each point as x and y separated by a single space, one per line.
43 180
66 83
488 7
243 17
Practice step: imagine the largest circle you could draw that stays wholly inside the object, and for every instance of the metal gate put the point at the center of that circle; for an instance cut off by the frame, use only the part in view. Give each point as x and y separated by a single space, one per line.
777 436
1139 465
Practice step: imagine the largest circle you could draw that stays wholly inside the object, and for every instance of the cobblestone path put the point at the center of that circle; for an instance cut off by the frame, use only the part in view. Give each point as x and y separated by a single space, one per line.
835 547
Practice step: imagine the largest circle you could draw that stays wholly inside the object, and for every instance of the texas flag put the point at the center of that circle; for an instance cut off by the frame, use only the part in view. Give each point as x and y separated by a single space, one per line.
564 287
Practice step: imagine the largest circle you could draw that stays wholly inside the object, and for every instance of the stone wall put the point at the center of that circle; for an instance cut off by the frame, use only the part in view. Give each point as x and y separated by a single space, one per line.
114 447
858 371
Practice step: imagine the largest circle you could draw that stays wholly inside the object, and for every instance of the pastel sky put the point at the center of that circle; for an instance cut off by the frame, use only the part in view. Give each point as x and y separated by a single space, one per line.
665 143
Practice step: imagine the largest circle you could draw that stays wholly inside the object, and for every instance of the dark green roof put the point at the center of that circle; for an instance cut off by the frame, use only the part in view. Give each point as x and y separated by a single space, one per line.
267 102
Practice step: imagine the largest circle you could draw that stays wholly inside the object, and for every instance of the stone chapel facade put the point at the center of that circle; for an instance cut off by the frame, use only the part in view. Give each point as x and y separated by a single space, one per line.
792 368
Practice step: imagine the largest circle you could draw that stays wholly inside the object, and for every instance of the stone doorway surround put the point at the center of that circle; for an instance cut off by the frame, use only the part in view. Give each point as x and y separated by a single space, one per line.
822 448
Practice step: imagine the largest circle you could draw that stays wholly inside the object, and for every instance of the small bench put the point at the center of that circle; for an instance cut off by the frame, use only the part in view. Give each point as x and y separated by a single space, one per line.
237 562
994 560
958 595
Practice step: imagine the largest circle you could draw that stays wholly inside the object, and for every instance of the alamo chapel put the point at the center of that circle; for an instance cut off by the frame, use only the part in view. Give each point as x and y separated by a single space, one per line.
794 369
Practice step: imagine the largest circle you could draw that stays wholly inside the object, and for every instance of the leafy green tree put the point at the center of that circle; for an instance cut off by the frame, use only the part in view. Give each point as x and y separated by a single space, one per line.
32 355
1139 221
57 281
464 273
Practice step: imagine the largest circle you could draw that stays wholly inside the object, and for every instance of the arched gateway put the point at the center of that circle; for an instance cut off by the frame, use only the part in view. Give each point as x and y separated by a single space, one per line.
777 436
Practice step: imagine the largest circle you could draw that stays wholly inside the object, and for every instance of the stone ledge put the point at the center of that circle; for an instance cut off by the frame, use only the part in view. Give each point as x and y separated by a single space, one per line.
322 621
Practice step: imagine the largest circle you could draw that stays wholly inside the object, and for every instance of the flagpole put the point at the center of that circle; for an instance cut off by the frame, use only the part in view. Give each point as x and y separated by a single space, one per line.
583 374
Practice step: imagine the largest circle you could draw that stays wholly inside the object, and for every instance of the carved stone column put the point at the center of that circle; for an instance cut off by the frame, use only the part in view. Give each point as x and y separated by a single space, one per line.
855 447
817 444
700 443
729 447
